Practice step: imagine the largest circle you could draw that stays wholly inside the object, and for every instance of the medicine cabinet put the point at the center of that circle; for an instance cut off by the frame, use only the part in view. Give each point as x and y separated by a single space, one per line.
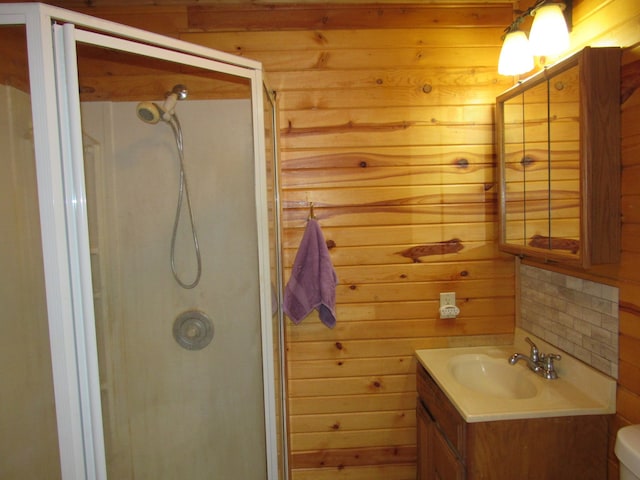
558 145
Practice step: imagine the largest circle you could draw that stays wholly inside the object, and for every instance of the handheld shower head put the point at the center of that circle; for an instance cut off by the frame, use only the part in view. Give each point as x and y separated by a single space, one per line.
152 113
149 112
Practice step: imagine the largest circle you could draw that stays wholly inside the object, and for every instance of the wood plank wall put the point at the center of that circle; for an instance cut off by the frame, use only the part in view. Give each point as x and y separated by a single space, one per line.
615 22
628 400
386 121
387 127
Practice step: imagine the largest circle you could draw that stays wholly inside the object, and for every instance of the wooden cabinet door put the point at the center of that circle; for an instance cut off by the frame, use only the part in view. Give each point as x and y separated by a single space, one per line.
559 148
436 459
425 427
446 465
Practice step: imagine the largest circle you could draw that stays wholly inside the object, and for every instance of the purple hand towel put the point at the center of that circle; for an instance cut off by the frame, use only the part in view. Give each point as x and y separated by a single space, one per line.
313 280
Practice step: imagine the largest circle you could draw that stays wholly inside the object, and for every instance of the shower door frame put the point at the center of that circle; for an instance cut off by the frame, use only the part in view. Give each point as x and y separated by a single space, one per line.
52 34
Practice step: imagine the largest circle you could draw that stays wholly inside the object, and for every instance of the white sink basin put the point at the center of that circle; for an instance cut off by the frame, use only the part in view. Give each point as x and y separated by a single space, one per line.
491 376
483 386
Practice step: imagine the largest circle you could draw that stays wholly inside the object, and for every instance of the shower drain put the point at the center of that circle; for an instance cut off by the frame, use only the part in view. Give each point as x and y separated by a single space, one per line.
193 330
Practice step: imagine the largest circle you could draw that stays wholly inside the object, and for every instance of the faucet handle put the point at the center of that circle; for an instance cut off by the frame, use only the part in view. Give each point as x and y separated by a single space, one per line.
548 358
535 353
549 367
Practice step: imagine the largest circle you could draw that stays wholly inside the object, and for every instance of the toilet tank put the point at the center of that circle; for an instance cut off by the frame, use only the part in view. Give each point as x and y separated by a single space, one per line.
628 452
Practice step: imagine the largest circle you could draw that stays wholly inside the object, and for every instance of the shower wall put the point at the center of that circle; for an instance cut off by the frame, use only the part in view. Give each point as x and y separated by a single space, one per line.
170 412
28 436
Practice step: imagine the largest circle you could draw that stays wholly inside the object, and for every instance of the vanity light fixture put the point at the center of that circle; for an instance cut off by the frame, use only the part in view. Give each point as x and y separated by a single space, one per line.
516 56
549 37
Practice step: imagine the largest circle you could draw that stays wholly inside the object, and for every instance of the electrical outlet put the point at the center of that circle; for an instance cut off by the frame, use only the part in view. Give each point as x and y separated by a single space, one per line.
447 299
448 308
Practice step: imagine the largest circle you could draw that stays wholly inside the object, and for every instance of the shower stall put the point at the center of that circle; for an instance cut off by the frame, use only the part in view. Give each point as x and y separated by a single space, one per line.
141 283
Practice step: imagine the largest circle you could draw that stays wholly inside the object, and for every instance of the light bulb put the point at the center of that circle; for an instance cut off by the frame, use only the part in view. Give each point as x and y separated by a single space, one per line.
515 57
549 36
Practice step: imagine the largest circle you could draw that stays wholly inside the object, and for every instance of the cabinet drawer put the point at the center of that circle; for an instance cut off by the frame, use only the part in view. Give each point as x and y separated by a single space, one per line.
442 410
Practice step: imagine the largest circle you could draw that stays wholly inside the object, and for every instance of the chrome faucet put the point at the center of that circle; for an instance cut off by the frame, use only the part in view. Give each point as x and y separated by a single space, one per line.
540 363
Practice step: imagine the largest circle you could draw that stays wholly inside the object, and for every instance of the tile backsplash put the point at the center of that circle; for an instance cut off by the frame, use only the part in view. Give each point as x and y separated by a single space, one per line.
576 315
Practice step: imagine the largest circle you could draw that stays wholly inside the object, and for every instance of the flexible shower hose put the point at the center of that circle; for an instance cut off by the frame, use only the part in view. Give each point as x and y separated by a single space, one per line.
183 193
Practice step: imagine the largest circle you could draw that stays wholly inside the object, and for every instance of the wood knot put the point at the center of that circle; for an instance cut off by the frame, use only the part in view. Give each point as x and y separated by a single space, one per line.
320 38
340 363
323 58
403 275
339 345
527 160
427 88
462 163
363 164
379 81
352 287
335 426
330 244
464 273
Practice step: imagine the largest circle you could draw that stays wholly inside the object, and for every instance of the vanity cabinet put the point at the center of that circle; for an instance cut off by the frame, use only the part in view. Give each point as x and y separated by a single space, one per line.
567 448
558 143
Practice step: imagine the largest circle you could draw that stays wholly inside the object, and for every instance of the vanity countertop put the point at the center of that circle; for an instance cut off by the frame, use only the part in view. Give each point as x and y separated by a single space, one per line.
578 390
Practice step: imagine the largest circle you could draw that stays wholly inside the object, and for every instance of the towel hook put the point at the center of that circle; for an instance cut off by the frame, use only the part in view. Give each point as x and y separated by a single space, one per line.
311 213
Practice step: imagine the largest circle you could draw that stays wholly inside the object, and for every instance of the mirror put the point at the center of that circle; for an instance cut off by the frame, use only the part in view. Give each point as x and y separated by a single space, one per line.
559 161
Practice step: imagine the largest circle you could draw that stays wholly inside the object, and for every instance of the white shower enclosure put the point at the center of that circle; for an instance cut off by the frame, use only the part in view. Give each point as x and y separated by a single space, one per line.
110 367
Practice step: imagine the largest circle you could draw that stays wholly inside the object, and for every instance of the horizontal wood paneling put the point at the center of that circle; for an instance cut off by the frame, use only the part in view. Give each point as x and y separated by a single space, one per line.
312 330
347 39
380 402
352 421
453 95
417 77
329 17
356 456
628 404
470 157
169 19
376 472
388 129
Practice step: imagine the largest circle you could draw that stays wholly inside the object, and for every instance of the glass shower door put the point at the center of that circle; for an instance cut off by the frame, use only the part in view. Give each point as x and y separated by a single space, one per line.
181 369
28 427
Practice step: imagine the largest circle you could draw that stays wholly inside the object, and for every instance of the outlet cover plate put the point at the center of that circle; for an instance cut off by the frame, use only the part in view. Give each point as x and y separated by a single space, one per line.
447 299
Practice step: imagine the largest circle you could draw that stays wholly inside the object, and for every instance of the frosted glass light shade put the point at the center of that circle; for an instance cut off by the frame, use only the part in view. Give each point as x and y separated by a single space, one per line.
549 34
515 57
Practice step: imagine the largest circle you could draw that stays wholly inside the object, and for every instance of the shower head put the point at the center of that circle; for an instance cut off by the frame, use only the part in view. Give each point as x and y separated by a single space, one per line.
149 112
152 113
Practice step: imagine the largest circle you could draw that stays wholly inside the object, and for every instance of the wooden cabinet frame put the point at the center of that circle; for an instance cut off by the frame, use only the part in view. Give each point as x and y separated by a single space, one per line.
598 207
567 448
